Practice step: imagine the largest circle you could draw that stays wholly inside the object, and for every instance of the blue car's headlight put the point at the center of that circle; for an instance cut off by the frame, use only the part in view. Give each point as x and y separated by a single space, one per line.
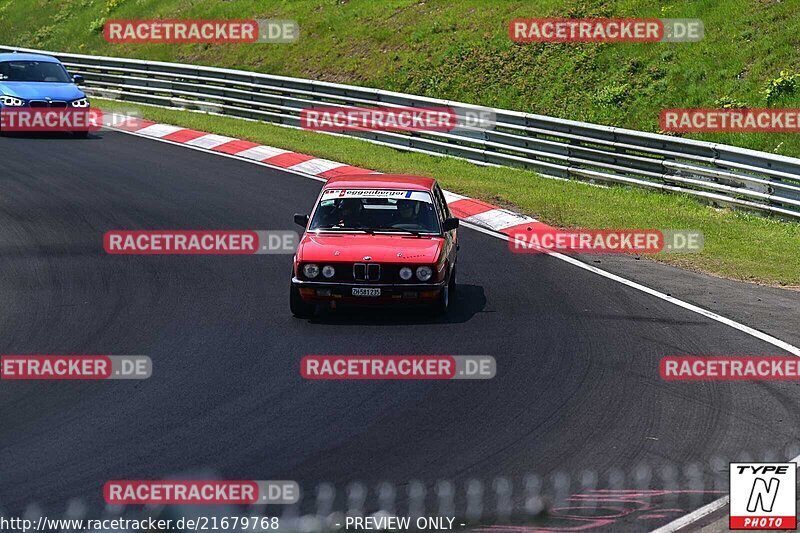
11 101
80 102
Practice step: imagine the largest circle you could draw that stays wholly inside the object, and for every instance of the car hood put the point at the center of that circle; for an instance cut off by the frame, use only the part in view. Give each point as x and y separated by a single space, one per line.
40 91
379 247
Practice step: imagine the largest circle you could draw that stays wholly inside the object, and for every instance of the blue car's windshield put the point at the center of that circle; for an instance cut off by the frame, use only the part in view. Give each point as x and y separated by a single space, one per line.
41 71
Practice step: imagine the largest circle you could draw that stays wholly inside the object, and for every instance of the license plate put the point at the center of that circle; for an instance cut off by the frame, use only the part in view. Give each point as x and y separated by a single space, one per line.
362 291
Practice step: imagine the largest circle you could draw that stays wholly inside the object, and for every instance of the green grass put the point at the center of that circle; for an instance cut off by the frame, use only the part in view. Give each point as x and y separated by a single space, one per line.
461 51
737 245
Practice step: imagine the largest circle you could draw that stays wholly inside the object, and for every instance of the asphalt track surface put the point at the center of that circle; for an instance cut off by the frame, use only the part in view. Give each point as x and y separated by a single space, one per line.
577 385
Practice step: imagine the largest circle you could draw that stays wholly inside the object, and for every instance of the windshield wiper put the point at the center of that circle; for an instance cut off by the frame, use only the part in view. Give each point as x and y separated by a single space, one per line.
414 232
336 228
371 231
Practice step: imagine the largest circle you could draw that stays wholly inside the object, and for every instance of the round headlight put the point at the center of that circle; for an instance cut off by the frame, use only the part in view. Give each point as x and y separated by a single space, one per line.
406 273
328 271
311 270
424 273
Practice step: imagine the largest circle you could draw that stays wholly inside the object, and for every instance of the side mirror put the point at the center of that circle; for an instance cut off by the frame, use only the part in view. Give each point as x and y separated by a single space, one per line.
301 219
77 79
450 224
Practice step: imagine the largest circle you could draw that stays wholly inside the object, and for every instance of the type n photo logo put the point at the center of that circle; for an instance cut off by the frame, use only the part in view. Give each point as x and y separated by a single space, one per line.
763 496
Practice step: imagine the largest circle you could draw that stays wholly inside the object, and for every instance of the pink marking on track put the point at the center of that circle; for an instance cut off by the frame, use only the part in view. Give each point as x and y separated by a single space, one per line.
185 135
341 171
234 147
287 160
468 207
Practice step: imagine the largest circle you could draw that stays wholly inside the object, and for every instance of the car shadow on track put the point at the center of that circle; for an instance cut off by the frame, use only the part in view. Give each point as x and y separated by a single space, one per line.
468 300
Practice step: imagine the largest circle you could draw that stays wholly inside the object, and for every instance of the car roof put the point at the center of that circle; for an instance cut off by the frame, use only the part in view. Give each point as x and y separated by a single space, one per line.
381 181
28 57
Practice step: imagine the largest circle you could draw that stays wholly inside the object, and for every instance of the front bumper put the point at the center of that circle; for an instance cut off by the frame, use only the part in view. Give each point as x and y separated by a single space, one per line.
391 293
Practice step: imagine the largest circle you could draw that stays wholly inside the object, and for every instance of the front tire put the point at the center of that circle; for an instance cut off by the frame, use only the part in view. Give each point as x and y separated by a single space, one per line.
442 305
299 308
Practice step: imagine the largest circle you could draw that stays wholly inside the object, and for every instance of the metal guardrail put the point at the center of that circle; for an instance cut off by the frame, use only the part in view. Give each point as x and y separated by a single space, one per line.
715 173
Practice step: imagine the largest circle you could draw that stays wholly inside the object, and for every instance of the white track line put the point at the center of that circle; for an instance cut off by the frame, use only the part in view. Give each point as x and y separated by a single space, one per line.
210 140
260 153
316 166
159 130
702 512
694 516
498 219
671 299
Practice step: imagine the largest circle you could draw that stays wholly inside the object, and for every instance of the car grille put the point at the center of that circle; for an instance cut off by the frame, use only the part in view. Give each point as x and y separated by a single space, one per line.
46 103
366 272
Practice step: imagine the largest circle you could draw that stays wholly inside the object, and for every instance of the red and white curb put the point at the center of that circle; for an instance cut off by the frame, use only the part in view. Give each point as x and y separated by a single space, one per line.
472 211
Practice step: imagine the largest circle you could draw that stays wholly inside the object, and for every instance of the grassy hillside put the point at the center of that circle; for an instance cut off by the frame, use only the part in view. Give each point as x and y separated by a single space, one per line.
461 51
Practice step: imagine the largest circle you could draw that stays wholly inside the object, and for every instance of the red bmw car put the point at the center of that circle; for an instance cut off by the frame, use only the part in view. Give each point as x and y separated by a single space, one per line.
376 239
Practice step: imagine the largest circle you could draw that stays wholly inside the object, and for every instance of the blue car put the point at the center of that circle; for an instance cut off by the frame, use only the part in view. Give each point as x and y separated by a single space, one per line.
35 80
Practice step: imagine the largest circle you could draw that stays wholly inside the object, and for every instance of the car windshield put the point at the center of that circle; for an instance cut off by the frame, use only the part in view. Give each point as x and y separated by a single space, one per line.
41 71
375 210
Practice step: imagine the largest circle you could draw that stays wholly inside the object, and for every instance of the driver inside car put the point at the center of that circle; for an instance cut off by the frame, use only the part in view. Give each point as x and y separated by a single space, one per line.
405 212
348 213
